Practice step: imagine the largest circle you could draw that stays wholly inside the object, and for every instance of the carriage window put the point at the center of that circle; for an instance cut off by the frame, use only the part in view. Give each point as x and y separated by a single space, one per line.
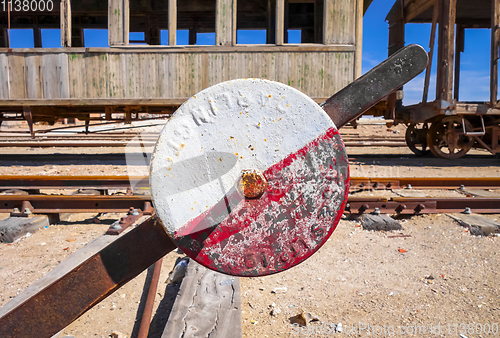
182 37
51 38
255 22
303 21
205 38
195 22
251 36
21 38
294 35
96 37
136 38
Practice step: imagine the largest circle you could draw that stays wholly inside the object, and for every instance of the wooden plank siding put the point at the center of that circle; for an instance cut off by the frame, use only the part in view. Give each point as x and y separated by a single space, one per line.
339 19
163 74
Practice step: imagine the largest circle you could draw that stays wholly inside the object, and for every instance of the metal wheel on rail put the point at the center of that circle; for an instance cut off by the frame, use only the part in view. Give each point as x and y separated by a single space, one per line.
446 138
416 138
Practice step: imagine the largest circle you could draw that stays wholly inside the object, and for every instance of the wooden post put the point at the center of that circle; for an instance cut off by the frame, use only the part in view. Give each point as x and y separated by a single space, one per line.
224 22
359 39
460 39
280 22
234 24
432 40
446 50
65 17
396 42
495 46
172 22
286 19
118 22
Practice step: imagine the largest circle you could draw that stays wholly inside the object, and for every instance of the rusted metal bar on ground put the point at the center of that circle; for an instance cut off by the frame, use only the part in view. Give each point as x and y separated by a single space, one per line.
84 144
50 204
71 182
150 302
366 91
411 206
375 144
30 182
424 182
121 144
70 295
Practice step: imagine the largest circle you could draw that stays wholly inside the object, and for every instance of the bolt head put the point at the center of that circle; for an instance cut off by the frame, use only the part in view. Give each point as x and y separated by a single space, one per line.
252 183
27 211
467 211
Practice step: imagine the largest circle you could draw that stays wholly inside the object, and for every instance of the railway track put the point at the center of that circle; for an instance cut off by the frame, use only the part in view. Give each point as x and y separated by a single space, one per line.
145 140
138 197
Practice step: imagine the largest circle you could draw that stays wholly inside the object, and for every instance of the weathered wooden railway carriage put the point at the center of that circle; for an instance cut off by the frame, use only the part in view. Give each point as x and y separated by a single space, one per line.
447 126
49 83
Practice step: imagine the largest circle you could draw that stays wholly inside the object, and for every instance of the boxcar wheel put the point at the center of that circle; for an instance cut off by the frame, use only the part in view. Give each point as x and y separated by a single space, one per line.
446 138
416 138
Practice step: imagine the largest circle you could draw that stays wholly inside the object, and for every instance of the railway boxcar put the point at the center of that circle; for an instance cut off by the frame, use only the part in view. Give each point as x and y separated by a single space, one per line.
160 53
447 126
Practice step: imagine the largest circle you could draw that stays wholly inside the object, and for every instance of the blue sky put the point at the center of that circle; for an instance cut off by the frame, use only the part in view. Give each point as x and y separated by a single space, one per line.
474 76
475 69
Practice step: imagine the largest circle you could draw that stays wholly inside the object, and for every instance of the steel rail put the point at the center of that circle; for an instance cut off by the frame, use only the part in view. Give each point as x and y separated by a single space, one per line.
52 204
413 206
380 183
121 144
29 182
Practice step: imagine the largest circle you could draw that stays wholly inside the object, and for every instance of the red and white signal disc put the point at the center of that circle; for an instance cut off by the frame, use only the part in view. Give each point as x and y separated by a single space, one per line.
249 177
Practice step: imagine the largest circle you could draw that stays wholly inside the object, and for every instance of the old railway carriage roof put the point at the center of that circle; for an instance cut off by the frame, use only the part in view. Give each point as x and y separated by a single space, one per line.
469 12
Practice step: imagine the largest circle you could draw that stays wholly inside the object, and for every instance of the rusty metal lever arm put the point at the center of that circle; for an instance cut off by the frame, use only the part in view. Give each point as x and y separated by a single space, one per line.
67 295
366 91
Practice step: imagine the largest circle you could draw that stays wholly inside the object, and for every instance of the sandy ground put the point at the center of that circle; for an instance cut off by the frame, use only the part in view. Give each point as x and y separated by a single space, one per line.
443 281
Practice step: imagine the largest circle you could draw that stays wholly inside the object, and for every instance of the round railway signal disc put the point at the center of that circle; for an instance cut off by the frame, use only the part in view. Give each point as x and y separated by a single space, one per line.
249 177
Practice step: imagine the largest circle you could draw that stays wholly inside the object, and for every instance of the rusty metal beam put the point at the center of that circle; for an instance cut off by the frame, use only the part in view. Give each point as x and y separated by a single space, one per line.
71 182
61 302
30 182
412 206
53 204
46 204
380 183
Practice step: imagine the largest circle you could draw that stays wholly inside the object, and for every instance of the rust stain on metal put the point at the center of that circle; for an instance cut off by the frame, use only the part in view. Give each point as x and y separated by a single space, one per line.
71 295
252 183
